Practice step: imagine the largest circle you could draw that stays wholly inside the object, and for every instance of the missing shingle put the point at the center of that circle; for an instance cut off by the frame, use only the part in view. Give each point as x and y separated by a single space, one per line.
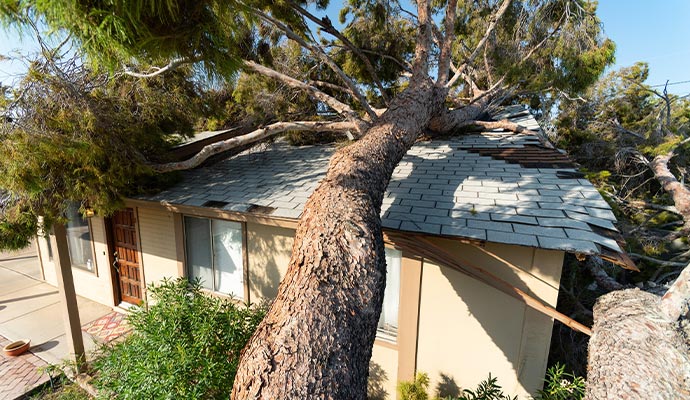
569 175
257 209
215 204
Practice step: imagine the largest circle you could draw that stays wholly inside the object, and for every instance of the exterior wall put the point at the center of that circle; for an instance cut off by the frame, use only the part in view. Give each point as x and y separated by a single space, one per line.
269 249
451 326
383 369
158 245
96 285
468 329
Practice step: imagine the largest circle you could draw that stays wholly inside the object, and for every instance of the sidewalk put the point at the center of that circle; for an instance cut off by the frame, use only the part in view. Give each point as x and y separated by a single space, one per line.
30 309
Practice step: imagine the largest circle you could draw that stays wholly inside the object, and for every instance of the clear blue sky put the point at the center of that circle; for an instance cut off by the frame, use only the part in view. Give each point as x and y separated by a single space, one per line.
656 31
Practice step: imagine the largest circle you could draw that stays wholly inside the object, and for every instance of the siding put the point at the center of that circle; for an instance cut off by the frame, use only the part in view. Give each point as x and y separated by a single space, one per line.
158 245
468 329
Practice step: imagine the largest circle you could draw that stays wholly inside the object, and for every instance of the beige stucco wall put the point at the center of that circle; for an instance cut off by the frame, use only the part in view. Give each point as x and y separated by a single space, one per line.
269 249
383 373
468 329
157 244
96 285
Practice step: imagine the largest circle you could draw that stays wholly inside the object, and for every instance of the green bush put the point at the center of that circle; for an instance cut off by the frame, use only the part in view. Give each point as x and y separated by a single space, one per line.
186 345
486 390
418 389
560 385
415 390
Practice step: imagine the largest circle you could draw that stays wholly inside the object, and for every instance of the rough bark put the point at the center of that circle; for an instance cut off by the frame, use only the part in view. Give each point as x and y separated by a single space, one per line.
317 337
635 352
678 191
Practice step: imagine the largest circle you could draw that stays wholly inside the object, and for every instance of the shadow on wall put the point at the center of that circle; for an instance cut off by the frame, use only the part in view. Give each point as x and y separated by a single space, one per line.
269 252
446 387
498 315
377 380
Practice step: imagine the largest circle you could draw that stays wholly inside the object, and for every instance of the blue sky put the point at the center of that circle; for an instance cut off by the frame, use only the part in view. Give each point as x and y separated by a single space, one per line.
656 31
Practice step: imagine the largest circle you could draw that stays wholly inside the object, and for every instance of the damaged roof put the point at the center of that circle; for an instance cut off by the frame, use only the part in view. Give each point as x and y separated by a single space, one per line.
493 186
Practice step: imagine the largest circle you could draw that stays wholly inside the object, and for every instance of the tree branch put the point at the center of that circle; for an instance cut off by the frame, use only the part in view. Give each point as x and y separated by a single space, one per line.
420 68
319 53
492 25
335 104
663 263
446 44
675 302
327 26
502 124
253 137
155 71
678 191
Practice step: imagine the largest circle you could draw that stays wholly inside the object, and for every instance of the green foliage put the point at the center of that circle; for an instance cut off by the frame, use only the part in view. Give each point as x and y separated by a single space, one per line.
560 385
486 390
185 345
65 391
79 136
415 390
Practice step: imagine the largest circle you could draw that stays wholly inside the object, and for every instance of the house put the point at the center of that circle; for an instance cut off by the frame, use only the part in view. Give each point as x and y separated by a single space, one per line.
472 223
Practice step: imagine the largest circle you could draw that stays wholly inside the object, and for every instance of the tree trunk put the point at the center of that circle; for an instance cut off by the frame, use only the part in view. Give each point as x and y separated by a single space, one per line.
317 337
636 351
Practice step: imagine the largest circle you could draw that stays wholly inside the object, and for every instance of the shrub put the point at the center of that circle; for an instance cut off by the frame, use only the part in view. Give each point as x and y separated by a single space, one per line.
488 389
560 385
415 390
186 345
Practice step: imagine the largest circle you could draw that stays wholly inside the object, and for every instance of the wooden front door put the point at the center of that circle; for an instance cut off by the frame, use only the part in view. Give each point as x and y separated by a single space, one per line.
126 256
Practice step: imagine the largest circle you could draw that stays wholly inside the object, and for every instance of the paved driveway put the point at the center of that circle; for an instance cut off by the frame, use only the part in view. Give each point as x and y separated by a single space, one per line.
30 308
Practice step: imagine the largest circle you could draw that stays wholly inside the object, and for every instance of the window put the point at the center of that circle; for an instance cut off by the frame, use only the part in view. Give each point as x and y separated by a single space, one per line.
214 254
78 239
388 322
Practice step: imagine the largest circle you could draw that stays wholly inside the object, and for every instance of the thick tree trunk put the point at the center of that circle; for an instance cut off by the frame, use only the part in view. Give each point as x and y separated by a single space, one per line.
317 337
637 350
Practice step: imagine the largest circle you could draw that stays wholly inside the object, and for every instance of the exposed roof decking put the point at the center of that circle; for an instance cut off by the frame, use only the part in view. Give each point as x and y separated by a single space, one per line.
443 187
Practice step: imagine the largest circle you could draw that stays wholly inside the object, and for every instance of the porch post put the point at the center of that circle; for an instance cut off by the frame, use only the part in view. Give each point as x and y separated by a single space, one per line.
68 297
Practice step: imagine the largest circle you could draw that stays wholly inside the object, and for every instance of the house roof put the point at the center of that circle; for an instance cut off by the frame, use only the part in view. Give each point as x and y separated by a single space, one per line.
493 186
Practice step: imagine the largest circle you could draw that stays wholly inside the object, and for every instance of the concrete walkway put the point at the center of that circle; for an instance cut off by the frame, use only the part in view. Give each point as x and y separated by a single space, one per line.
30 309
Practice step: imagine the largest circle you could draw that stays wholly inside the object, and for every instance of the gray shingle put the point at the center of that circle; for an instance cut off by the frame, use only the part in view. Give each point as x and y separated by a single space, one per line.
603 223
539 230
464 232
439 212
520 219
579 246
420 227
563 223
490 225
512 238
593 237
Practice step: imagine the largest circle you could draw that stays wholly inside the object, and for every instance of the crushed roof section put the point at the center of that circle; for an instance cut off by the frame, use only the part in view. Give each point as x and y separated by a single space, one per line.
456 187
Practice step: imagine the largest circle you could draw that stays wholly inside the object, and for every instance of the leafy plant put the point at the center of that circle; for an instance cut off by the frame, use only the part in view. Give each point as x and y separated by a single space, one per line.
415 390
487 389
560 385
185 345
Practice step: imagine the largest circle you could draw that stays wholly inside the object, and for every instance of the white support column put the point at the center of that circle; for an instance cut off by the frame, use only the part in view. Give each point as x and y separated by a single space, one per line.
68 297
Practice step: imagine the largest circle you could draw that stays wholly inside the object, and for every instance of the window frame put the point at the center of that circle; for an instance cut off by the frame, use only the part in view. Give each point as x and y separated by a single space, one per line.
389 336
92 249
243 248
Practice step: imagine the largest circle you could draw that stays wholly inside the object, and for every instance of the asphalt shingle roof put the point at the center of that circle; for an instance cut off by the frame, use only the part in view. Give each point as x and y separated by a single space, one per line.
441 187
